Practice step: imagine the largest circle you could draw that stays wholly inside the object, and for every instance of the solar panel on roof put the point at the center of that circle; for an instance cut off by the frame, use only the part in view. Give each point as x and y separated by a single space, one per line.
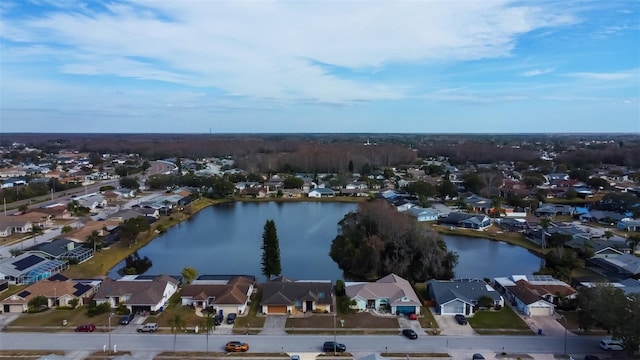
28 262
81 289
24 294
58 277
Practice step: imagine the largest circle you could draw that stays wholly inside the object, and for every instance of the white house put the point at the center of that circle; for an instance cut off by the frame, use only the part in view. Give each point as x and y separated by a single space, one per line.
391 293
137 295
321 192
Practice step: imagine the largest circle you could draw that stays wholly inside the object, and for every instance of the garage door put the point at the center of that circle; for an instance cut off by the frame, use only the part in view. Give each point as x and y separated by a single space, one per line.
454 307
277 309
405 310
540 311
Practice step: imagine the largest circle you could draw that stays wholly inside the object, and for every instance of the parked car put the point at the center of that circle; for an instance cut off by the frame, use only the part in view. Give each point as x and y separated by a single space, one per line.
295 357
231 318
148 327
461 319
330 346
409 333
236 346
591 357
413 316
217 320
609 344
125 320
477 357
86 328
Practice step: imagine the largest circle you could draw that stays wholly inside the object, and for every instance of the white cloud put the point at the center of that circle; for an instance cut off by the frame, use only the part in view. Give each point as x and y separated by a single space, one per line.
622 75
537 72
260 49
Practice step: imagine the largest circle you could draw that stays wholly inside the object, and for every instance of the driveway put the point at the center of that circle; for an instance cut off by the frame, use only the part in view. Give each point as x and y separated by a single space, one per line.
548 324
274 325
405 323
450 326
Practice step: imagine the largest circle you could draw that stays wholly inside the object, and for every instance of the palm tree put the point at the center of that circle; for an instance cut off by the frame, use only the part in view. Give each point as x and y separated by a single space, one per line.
633 242
177 324
209 323
544 224
95 240
35 231
608 234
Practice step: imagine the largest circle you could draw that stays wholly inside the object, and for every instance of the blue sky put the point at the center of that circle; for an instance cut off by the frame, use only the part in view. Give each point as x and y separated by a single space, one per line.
408 66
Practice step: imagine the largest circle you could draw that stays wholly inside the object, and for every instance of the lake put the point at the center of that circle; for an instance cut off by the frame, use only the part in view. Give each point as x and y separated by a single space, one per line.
226 239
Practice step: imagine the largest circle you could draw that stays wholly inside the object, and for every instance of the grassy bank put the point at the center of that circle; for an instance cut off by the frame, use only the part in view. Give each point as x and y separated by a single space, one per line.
493 233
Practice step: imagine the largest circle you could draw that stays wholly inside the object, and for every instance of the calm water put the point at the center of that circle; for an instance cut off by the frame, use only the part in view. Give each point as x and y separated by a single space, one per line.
226 239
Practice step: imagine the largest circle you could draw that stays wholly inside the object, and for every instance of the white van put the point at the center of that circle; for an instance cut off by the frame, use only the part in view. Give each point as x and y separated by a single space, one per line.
608 344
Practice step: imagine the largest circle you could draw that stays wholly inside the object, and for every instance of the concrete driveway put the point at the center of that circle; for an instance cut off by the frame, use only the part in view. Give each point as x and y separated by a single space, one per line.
450 326
405 323
274 325
548 324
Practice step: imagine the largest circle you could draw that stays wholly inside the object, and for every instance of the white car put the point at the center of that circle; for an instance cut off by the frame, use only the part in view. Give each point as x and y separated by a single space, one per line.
608 344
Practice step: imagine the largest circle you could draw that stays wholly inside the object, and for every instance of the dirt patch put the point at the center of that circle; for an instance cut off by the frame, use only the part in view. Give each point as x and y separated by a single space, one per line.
351 321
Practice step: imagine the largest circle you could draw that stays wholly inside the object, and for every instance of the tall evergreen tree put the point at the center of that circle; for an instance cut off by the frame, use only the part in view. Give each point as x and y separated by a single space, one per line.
270 251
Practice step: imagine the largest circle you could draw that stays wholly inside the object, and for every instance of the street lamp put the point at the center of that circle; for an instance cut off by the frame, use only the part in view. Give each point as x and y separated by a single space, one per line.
565 333
109 330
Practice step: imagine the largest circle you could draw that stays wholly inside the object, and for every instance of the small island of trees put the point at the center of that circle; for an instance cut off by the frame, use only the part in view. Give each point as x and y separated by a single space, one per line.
377 240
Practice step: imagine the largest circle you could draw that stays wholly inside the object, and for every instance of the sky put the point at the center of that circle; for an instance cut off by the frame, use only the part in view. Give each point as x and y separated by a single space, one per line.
348 66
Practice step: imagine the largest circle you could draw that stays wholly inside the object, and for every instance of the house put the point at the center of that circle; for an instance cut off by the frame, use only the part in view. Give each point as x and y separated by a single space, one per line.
390 293
461 296
58 289
628 286
602 248
478 204
229 294
28 268
92 201
465 220
547 210
55 211
534 295
285 296
62 249
321 193
424 214
619 267
628 224
137 295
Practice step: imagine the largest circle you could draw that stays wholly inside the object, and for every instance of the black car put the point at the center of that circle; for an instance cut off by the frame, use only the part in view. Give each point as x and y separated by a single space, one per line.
410 333
217 320
125 320
461 319
591 357
231 318
330 346
477 357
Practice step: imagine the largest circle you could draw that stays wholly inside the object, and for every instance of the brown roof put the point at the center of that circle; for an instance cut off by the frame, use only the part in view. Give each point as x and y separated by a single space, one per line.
282 291
141 292
49 289
233 292
530 293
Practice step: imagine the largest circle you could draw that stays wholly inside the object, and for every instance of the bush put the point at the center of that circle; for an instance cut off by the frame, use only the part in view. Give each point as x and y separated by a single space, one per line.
94 309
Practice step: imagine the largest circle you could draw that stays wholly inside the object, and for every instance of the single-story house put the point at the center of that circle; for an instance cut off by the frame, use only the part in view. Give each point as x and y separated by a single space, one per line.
478 203
618 267
137 295
62 249
424 214
321 192
461 296
229 295
285 296
92 201
534 295
628 224
28 268
554 210
58 293
466 220
390 293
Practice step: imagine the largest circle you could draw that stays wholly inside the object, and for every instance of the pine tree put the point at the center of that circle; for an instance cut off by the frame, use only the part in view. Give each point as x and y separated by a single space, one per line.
270 251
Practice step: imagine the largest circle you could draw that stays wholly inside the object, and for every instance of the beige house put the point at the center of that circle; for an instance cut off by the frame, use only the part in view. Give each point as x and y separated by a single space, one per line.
230 296
59 291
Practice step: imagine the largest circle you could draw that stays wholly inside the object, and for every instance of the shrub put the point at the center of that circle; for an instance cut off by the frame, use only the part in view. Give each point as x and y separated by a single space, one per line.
94 309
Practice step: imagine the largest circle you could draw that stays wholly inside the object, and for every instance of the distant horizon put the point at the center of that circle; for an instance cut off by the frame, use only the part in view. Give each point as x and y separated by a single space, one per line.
317 66
322 133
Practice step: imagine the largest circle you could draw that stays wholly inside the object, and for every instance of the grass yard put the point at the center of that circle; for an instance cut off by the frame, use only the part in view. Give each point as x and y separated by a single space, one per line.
503 319
351 321
251 319
52 318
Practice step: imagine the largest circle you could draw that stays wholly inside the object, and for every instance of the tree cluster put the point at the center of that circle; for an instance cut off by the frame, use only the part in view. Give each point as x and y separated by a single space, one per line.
377 240
613 310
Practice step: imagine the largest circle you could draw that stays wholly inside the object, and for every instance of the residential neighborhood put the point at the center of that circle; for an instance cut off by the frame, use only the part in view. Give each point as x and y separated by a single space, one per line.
45 241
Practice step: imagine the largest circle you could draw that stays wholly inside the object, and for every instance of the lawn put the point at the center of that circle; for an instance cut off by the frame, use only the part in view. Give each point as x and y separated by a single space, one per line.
351 321
426 318
502 320
251 319
51 320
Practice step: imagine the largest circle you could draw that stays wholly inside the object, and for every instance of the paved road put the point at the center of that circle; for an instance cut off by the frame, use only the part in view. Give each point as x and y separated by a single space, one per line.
301 343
